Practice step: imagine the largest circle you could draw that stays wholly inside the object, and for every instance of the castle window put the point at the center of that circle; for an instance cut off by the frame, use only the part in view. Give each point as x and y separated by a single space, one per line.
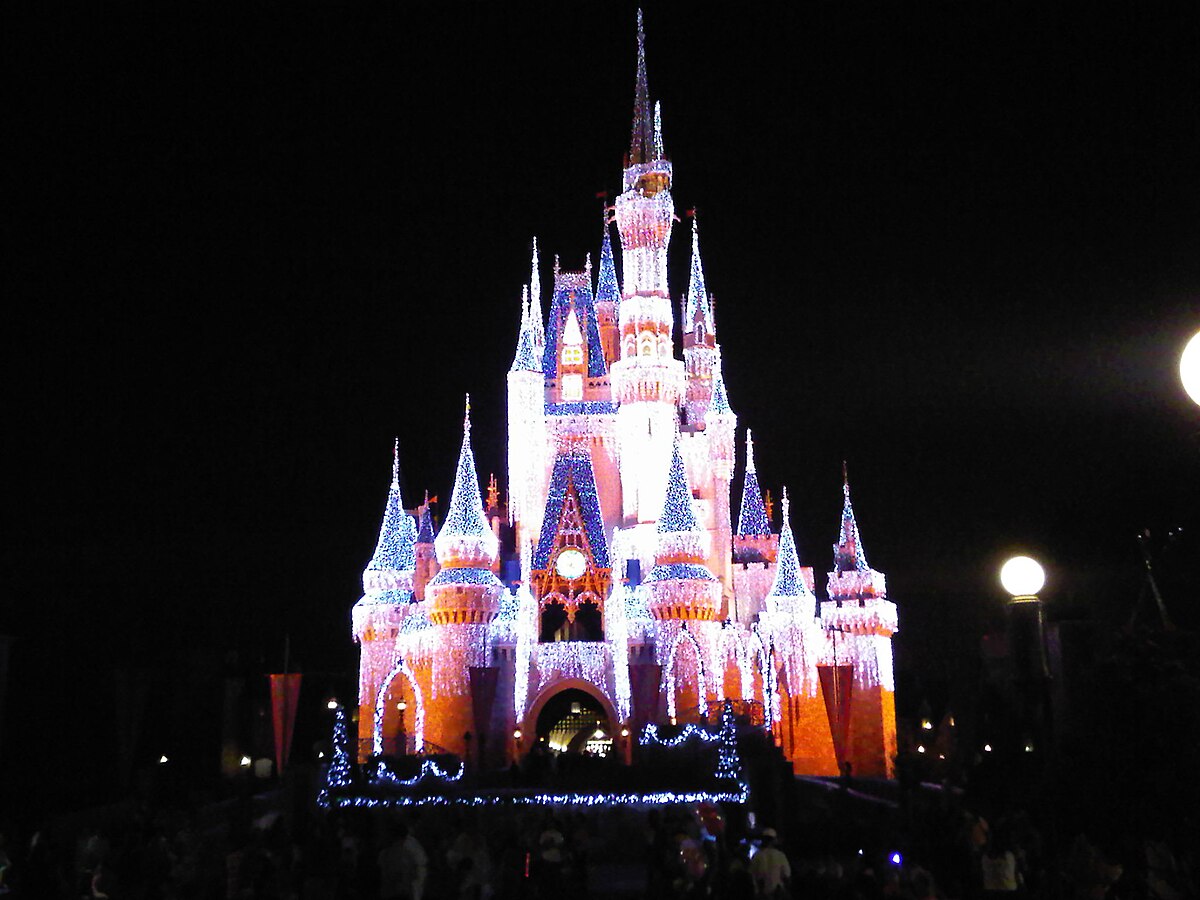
572 388
572 355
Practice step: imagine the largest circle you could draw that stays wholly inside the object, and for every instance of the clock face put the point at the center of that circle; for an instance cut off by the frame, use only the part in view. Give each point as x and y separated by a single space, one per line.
570 564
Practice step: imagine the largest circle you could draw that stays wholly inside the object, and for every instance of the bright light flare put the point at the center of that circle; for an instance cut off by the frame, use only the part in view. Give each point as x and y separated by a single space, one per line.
1022 576
1189 368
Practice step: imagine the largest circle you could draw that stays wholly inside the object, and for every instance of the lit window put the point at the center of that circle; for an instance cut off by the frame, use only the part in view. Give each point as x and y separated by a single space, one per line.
572 355
572 388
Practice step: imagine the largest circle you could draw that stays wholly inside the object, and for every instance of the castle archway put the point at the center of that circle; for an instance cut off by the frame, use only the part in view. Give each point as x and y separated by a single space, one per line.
399 714
573 716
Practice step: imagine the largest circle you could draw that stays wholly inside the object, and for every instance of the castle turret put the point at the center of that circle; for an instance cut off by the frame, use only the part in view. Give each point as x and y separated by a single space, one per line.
461 600
608 300
647 380
426 559
685 598
799 642
526 426
700 354
861 621
387 594
754 546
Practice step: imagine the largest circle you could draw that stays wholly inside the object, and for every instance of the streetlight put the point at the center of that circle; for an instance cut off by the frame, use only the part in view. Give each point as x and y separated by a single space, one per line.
1189 368
1022 577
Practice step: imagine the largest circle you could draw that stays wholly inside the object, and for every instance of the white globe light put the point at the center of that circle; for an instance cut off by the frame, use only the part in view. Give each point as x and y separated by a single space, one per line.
1022 576
1189 368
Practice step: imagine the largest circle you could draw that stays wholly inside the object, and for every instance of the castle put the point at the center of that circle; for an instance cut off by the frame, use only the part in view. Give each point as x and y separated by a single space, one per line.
637 600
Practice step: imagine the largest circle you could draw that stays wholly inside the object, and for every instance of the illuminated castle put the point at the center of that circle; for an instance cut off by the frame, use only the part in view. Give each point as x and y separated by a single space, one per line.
637 600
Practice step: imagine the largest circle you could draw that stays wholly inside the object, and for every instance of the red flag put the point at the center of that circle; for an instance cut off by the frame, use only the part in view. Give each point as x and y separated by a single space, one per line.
837 684
432 499
691 213
285 695
602 195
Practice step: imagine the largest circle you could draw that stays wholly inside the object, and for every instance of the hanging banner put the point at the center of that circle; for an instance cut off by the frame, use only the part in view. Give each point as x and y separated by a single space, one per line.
837 683
285 697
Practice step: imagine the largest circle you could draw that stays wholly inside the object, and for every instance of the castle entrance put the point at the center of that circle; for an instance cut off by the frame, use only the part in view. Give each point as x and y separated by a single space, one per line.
573 721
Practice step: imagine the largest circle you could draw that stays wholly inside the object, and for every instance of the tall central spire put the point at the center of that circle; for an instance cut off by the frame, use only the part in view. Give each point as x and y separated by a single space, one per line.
641 144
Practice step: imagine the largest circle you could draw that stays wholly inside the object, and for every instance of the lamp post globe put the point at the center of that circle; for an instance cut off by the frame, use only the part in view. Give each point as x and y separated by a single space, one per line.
1189 368
1022 576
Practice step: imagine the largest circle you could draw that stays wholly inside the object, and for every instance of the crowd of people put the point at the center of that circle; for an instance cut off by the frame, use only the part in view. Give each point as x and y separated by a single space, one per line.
270 849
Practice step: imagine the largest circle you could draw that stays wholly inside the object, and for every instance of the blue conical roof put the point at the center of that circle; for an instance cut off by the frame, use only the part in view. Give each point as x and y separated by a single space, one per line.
788 581
678 513
752 518
697 296
848 553
465 516
607 289
719 405
394 549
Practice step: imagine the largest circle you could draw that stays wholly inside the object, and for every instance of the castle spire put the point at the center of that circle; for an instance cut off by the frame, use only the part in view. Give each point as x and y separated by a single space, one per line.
526 358
641 143
848 553
394 552
535 298
752 518
788 581
607 289
697 297
678 513
465 532
719 405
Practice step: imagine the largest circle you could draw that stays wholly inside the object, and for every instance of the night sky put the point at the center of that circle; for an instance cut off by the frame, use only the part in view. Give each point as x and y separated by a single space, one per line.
953 244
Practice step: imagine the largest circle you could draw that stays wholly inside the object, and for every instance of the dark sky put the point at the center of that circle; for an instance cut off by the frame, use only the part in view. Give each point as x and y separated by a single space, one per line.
954 244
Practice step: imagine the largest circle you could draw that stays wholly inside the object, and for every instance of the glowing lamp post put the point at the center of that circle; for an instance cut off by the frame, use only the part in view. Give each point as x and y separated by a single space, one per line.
1022 577
1189 368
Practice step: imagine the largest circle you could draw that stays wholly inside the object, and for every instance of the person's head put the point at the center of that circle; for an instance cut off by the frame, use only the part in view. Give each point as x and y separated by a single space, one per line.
769 837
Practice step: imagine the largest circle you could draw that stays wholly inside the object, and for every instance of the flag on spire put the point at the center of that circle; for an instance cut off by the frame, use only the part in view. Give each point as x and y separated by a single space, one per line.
752 517
848 553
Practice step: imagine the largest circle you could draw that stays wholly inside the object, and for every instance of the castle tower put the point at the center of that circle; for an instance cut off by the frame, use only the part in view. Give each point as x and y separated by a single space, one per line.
790 617
526 425
720 431
387 592
700 354
861 621
685 597
647 380
754 546
573 358
426 559
608 300
461 600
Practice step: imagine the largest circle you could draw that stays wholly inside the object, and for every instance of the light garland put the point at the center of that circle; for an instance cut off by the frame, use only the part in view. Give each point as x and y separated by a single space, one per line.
740 795
651 738
384 774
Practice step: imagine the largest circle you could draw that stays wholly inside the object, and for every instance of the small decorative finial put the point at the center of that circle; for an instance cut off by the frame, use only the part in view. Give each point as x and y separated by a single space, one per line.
396 462
845 480
556 266
467 416
750 452
587 265
786 504
770 505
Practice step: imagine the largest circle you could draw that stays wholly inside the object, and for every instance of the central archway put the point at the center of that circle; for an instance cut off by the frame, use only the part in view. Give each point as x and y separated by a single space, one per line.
572 716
